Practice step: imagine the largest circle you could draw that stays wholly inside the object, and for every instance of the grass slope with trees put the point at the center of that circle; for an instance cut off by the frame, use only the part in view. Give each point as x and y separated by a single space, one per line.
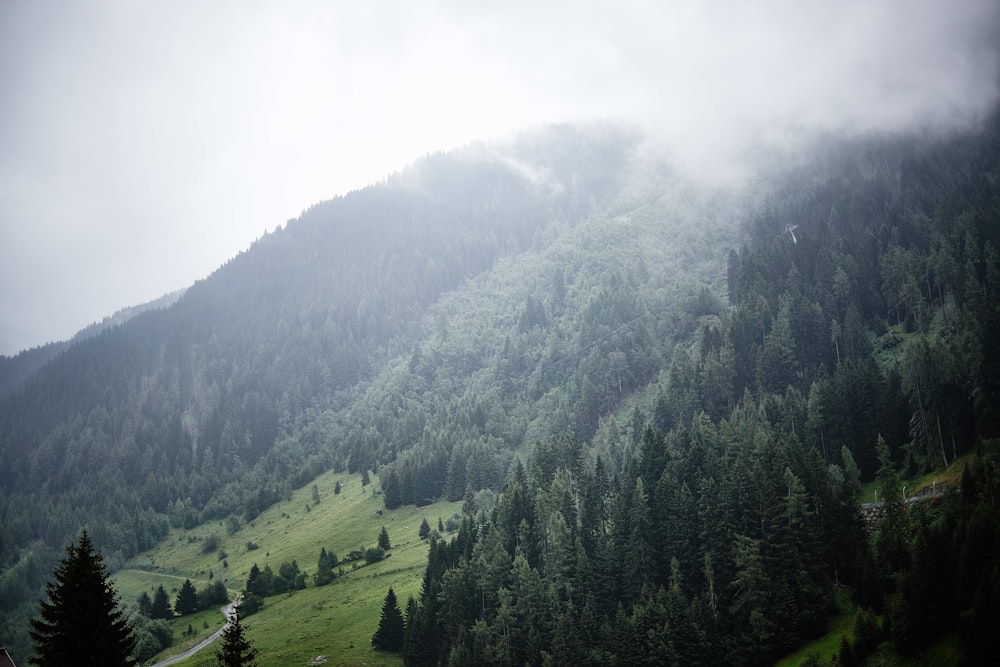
335 618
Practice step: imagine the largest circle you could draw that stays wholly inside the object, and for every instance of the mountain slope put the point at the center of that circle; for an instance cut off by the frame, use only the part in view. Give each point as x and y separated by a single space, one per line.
862 347
201 410
18 368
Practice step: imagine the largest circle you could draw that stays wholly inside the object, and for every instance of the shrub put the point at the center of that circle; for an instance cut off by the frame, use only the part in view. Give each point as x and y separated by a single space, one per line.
374 554
211 543
212 595
251 605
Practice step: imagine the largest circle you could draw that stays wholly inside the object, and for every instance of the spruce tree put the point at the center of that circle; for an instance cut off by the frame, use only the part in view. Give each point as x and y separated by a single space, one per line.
469 504
425 529
161 605
383 540
391 629
236 650
187 599
145 604
83 622
324 569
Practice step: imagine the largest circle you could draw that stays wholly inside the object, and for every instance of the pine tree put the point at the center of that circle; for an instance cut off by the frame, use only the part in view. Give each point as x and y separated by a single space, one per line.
187 599
425 529
236 650
469 505
161 605
324 569
391 629
83 621
383 540
145 604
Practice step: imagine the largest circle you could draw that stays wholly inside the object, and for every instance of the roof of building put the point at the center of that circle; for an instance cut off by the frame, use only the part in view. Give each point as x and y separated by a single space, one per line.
5 659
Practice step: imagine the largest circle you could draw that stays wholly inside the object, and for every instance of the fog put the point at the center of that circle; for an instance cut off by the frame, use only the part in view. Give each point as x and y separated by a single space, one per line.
143 144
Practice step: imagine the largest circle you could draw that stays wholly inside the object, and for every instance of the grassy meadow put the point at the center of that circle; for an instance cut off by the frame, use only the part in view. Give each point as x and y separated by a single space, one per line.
337 620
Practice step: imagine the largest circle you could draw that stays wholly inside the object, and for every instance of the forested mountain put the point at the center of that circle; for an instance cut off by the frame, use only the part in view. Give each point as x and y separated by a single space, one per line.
18 368
220 403
677 392
859 343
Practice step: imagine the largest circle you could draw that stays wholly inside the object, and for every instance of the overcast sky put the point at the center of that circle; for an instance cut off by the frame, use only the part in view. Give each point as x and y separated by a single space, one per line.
142 144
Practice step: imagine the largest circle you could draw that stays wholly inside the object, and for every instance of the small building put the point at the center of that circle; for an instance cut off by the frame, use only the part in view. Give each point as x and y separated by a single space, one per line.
5 659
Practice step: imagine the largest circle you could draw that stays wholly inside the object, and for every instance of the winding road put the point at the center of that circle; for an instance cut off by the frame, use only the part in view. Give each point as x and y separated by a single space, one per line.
227 611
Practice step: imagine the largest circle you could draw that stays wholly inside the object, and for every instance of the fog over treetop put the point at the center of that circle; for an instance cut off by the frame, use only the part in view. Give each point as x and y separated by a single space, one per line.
144 144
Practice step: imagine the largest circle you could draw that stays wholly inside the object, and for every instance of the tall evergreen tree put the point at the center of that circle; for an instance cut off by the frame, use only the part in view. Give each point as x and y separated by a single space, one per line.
236 650
161 605
324 569
187 599
83 621
383 540
469 504
425 529
391 490
391 629
145 604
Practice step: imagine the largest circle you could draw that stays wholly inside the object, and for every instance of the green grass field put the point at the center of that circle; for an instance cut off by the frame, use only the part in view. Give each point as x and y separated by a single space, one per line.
337 620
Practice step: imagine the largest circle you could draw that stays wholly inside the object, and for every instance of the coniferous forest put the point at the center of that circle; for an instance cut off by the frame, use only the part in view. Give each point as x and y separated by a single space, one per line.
862 348
663 401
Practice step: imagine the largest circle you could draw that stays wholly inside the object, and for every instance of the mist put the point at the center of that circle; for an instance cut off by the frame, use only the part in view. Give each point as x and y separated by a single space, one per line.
145 144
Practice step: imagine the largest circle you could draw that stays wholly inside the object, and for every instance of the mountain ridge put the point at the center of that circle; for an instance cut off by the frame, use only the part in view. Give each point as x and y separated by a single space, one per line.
17 368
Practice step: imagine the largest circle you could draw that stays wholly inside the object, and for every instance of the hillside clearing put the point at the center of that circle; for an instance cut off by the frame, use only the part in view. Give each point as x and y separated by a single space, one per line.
336 620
